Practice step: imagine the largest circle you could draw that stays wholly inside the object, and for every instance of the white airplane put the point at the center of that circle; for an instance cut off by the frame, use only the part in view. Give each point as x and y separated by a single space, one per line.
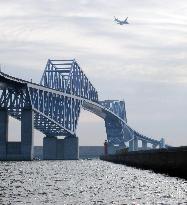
121 22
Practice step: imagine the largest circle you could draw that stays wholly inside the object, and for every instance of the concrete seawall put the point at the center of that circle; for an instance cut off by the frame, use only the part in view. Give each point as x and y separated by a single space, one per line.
172 161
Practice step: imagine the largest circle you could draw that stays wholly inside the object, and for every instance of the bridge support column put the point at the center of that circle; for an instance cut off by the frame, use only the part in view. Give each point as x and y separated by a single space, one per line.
71 148
27 129
154 146
162 143
131 145
3 133
49 148
135 144
144 144
60 149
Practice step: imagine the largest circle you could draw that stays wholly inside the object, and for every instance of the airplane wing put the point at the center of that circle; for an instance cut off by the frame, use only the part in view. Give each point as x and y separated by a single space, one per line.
126 19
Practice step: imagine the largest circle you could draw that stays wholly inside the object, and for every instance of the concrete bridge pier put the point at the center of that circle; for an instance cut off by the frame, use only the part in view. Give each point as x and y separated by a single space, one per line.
60 149
27 130
131 145
3 133
17 150
154 146
162 143
50 148
71 148
144 144
135 144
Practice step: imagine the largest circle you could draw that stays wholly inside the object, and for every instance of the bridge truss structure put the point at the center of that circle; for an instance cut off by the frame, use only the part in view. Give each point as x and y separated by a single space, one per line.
57 101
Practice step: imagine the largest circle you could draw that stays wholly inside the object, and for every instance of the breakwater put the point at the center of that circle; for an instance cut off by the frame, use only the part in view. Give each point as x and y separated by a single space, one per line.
171 161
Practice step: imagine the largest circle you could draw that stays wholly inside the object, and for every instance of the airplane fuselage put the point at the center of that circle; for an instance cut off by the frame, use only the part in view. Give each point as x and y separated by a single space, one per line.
121 22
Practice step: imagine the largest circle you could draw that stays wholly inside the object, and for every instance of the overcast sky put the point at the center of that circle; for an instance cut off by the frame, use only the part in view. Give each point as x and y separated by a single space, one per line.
144 63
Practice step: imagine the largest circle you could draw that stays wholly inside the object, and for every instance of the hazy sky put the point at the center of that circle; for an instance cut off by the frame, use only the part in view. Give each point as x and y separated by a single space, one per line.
144 63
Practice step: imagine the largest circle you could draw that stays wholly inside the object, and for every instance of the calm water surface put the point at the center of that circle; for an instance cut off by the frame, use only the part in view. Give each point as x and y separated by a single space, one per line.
86 182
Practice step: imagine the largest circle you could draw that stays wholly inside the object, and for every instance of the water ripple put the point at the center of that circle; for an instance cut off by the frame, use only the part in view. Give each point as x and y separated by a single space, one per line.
86 182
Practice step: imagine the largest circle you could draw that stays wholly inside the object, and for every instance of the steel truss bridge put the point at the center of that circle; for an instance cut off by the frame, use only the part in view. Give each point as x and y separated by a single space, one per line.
57 101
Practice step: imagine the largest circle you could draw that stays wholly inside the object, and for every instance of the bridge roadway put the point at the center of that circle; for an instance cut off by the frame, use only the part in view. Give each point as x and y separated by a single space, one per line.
53 108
